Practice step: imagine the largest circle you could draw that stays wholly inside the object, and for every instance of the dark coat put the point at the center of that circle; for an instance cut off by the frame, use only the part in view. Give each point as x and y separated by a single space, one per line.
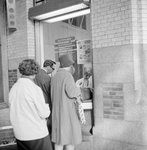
66 128
43 80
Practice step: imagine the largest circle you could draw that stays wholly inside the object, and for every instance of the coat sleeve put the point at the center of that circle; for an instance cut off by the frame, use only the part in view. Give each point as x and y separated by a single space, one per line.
42 108
71 89
43 81
79 83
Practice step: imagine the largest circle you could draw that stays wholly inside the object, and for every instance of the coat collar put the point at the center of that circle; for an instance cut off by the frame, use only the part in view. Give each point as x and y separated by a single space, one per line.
22 79
62 69
44 70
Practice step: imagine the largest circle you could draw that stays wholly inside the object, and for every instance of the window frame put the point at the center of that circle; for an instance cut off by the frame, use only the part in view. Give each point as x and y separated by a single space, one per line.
70 22
4 57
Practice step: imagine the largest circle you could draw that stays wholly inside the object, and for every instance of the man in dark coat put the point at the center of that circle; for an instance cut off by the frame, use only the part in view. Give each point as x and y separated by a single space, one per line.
43 80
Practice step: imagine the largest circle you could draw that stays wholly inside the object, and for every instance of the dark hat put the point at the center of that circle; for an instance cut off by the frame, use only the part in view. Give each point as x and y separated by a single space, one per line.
65 61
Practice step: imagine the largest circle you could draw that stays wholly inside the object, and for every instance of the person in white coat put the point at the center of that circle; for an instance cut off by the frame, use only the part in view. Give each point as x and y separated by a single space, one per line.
28 110
86 81
86 84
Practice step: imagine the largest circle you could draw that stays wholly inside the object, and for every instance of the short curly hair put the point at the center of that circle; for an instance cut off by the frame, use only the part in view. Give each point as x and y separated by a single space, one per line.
28 67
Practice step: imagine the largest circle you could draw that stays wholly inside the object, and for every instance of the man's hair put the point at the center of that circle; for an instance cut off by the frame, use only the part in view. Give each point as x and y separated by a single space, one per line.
48 63
88 70
28 67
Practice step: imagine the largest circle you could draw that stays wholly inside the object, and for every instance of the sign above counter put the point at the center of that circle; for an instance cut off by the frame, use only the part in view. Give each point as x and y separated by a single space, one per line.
65 44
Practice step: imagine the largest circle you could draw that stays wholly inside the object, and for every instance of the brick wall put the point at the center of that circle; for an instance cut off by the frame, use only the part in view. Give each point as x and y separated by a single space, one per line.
111 23
113 101
12 77
21 42
30 32
119 58
142 10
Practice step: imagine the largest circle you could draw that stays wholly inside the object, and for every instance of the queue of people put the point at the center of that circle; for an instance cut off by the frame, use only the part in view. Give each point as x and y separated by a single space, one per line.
42 108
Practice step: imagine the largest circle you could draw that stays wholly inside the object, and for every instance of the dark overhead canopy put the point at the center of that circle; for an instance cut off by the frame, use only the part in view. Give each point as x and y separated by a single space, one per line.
53 5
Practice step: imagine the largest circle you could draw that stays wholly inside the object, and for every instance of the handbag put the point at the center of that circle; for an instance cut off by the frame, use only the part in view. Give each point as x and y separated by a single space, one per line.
86 93
80 112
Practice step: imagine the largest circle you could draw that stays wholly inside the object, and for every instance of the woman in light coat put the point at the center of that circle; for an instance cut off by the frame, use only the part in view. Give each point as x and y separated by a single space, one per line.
66 128
28 110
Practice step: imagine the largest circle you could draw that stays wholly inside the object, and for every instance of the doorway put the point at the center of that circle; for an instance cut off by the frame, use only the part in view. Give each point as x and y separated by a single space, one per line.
67 36
61 37
1 83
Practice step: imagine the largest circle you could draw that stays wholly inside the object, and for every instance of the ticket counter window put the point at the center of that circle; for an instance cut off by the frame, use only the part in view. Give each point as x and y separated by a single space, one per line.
72 36
83 75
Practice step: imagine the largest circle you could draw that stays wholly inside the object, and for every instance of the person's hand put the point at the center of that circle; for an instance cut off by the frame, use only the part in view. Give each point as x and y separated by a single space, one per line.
91 89
49 108
79 100
85 76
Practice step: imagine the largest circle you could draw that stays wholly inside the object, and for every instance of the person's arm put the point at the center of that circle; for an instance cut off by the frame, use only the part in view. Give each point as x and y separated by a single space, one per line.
46 88
79 82
70 87
42 108
90 85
